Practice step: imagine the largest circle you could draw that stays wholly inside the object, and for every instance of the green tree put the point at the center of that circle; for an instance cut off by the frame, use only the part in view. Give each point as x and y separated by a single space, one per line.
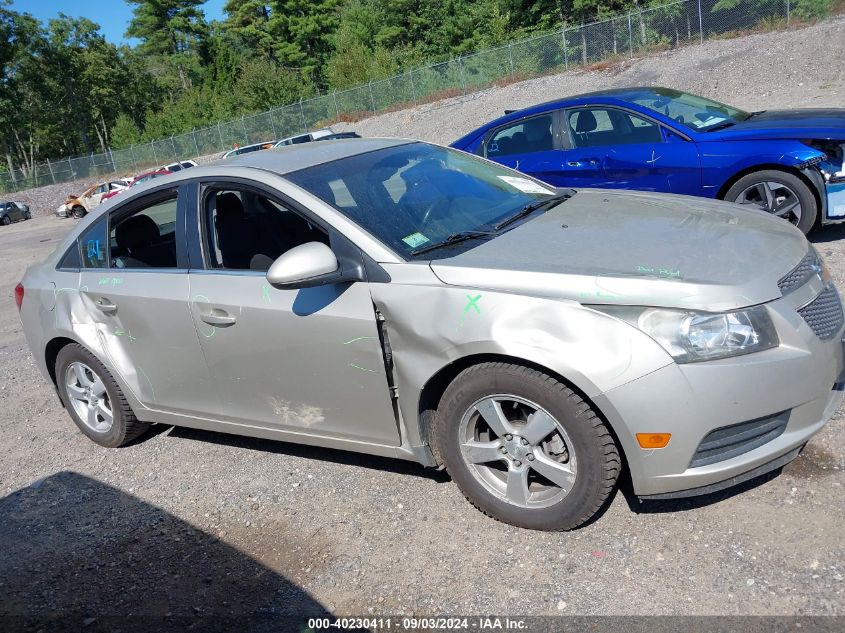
249 21
302 32
173 32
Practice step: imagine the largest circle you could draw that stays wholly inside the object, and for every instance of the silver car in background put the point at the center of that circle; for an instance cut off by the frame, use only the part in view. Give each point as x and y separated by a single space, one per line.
403 299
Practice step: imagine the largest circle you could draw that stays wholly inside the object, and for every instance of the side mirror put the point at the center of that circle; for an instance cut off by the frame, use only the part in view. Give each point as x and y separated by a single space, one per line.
304 266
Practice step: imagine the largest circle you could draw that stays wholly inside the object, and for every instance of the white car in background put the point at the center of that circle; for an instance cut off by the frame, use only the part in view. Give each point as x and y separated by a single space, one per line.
316 135
78 206
179 165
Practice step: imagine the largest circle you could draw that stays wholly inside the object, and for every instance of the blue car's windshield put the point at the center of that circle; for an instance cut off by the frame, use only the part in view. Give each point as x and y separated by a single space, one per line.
690 110
416 196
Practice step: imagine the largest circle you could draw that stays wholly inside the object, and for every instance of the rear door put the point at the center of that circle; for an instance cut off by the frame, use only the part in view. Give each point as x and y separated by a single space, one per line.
530 145
618 149
134 284
307 360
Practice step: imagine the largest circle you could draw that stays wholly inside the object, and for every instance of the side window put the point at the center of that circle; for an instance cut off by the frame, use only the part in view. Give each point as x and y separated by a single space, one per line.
93 245
71 260
597 127
246 230
525 136
146 238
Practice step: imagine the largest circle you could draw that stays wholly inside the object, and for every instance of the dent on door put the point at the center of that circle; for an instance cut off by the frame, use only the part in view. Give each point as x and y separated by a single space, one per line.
306 360
142 324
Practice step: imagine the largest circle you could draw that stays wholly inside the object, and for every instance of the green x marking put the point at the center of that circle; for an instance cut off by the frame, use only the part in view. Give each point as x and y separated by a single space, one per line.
473 303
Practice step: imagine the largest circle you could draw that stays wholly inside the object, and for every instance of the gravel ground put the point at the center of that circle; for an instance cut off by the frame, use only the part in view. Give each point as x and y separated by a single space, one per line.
188 523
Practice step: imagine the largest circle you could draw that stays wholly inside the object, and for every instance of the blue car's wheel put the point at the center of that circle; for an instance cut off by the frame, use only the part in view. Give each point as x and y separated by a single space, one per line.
777 192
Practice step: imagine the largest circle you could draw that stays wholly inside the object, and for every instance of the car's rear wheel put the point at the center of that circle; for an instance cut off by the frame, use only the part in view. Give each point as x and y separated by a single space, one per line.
524 448
78 211
777 192
5 220
94 400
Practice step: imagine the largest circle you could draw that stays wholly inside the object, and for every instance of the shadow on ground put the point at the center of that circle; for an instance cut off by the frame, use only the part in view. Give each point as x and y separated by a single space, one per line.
79 555
689 503
826 234
387 464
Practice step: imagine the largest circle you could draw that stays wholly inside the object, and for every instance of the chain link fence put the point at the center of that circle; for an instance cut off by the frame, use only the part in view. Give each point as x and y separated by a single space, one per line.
626 35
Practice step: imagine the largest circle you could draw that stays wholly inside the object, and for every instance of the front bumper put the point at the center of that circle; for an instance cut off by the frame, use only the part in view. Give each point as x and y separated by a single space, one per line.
802 376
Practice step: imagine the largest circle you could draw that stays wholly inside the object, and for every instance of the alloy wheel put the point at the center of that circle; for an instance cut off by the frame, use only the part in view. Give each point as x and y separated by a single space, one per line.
517 451
773 197
88 397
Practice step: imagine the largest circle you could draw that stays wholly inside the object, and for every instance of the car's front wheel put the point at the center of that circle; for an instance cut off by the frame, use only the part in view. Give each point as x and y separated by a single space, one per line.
5 220
777 192
27 215
524 448
78 211
93 398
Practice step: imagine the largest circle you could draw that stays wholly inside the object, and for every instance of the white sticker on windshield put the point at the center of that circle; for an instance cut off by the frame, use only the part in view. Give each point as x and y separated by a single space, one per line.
415 239
525 185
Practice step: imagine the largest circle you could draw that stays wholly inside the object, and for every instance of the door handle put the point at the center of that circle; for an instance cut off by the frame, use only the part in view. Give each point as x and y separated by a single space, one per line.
104 305
218 317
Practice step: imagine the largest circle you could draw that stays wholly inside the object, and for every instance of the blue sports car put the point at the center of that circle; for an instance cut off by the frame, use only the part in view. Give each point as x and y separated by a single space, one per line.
788 162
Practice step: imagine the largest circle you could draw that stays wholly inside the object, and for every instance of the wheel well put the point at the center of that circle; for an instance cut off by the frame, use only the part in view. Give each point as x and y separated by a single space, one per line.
51 353
789 170
436 386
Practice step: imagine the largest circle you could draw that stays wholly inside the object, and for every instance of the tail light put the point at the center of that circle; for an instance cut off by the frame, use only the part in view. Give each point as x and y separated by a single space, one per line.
19 295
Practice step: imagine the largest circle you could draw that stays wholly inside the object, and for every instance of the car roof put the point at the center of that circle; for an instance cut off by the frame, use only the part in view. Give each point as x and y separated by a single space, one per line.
290 158
613 93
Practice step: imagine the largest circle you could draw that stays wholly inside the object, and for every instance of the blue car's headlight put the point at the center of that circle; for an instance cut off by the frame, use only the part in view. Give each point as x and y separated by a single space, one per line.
690 336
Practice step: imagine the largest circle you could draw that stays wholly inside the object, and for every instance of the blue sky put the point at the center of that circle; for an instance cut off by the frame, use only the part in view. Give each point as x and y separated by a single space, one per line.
112 15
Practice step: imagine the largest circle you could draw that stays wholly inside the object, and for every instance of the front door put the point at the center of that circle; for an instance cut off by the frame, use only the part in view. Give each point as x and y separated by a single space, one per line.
306 360
616 149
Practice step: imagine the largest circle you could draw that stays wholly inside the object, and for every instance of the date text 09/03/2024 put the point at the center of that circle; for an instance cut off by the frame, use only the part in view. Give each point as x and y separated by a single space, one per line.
477 623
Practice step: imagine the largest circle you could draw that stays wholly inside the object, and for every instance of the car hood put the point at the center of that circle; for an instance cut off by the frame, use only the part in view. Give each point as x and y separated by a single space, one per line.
637 248
782 124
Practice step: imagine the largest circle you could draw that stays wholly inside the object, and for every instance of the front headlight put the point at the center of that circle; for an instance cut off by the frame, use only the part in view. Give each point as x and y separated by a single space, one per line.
696 336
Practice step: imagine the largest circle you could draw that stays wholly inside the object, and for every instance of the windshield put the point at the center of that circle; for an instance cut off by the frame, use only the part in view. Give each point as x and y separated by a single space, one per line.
415 196
692 111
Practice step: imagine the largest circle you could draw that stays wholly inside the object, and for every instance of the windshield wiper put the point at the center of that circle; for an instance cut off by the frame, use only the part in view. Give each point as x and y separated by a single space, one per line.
530 208
720 126
454 238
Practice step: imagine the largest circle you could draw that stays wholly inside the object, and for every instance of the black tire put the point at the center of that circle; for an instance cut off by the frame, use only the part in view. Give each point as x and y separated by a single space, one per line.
27 215
5 220
125 427
598 461
809 206
78 212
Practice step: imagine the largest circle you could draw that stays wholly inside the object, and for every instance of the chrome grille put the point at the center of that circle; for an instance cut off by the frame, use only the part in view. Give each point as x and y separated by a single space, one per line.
824 313
730 441
806 268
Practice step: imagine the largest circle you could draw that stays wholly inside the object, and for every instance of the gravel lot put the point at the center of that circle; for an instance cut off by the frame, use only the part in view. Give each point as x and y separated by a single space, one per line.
190 523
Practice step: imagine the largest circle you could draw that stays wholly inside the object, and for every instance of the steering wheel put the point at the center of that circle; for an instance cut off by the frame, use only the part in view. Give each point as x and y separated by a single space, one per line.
429 213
